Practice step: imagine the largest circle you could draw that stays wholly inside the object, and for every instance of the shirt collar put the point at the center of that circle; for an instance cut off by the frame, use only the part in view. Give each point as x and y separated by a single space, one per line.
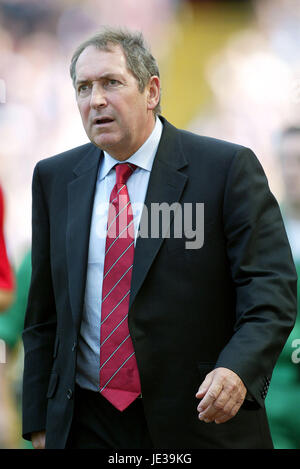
143 157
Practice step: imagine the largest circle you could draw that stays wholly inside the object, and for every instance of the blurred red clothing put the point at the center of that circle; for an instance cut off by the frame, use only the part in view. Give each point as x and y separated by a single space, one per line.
6 274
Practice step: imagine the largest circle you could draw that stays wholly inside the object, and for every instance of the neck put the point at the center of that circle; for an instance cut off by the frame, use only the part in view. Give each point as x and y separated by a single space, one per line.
144 135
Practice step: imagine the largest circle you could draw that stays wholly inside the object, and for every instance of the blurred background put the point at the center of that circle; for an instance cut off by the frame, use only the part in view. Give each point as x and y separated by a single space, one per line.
229 69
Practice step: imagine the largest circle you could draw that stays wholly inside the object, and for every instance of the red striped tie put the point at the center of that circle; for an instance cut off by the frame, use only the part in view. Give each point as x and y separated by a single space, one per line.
119 376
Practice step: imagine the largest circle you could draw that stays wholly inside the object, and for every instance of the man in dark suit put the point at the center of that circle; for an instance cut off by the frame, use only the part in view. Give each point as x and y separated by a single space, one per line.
206 318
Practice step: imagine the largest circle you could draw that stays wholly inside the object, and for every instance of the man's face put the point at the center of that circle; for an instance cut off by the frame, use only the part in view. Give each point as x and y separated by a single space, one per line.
116 116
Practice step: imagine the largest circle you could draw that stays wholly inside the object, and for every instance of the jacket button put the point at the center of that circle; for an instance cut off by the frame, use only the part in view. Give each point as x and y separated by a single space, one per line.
69 393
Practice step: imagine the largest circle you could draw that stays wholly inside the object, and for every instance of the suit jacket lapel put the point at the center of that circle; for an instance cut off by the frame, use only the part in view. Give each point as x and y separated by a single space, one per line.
166 184
80 205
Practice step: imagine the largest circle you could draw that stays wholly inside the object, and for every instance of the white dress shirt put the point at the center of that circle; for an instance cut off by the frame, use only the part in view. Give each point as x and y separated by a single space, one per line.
88 357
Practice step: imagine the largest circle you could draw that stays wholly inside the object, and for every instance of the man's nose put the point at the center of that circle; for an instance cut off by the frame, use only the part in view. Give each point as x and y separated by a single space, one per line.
98 97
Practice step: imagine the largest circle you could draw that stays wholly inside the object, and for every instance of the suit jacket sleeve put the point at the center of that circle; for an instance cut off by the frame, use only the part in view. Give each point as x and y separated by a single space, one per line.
40 319
263 273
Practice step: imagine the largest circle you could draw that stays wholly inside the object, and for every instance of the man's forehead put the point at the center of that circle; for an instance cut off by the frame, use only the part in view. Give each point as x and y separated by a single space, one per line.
111 52
111 59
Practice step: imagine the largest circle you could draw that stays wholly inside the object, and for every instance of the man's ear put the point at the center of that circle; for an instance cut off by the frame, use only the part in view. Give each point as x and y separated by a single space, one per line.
153 92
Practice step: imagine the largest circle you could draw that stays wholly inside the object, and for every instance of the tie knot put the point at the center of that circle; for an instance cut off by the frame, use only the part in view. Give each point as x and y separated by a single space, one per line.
123 172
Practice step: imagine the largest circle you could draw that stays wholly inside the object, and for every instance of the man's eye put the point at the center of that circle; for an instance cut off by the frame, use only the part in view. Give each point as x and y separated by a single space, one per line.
82 88
113 82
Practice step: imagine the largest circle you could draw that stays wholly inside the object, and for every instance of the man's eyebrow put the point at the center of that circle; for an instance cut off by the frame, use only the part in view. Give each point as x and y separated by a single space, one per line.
104 75
78 82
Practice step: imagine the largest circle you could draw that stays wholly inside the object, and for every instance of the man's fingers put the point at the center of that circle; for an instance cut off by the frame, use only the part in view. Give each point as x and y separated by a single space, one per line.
211 395
222 398
215 407
204 386
228 414
223 408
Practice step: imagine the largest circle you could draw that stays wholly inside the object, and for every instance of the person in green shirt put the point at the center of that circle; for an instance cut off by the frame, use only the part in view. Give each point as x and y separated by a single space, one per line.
282 401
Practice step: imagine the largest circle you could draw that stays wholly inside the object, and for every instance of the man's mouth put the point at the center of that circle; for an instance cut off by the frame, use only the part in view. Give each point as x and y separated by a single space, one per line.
102 120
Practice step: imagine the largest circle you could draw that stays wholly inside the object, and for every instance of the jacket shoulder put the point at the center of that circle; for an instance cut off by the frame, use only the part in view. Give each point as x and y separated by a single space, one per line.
209 144
197 147
66 159
219 155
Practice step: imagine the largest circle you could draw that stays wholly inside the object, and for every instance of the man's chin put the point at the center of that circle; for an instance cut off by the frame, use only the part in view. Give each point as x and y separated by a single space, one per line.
103 142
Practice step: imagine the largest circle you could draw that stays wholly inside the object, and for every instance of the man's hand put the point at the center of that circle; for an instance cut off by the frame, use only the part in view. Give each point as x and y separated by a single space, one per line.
222 394
38 440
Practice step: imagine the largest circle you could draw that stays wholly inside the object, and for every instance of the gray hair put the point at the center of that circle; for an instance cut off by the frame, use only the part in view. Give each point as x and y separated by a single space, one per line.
139 59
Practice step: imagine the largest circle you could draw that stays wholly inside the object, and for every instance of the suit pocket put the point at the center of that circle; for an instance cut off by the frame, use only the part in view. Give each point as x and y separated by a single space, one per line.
53 381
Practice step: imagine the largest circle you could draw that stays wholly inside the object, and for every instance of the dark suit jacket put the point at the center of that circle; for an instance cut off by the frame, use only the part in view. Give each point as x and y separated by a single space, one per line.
231 303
